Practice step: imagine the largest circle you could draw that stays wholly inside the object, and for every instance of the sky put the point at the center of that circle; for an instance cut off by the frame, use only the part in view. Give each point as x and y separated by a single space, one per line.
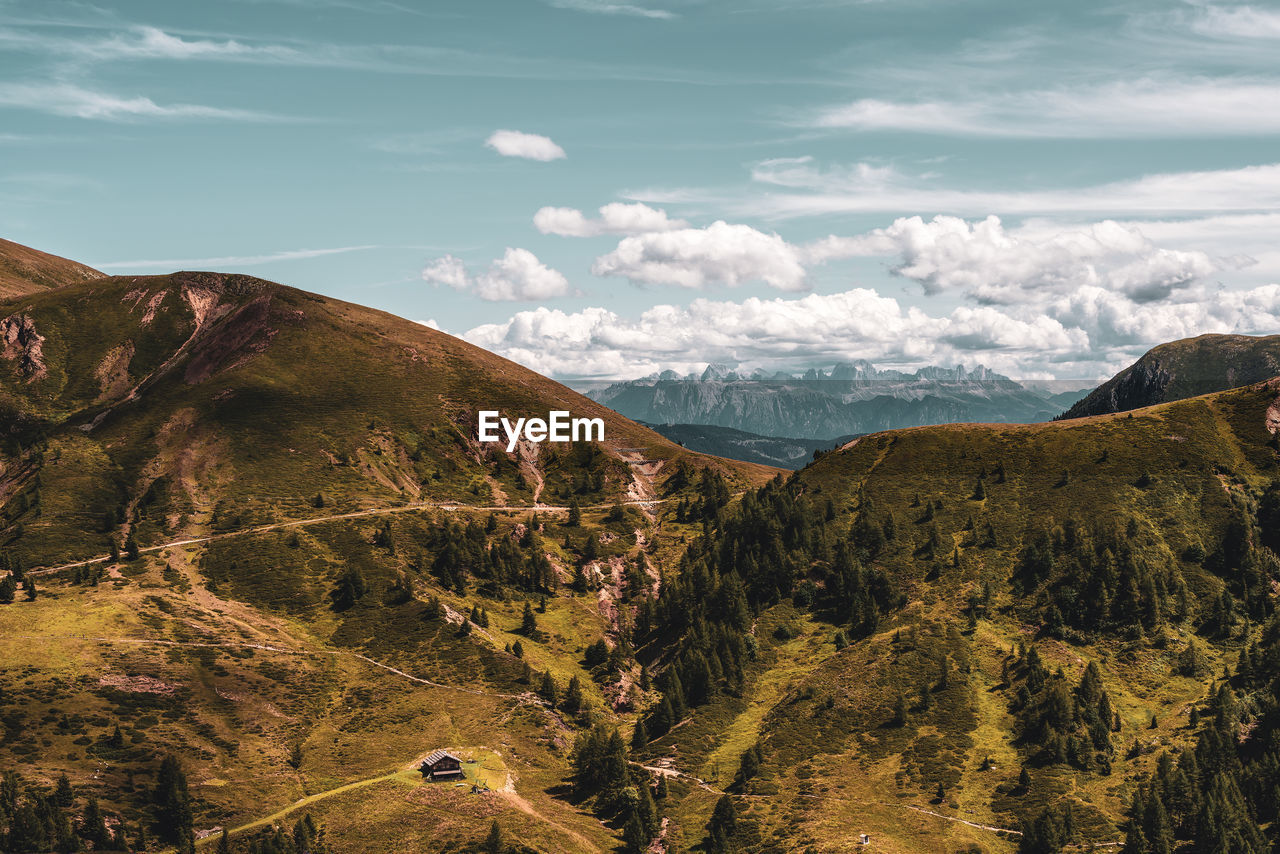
604 189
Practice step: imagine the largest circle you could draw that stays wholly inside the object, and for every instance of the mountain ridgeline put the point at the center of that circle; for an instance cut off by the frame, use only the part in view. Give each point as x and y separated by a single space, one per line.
24 270
1101 593
256 570
1183 369
850 399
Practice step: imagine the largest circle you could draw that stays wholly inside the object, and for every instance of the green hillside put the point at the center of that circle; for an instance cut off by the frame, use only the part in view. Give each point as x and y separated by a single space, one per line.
251 529
926 614
256 566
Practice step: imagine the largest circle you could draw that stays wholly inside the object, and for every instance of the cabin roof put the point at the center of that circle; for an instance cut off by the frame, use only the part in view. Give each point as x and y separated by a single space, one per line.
436 755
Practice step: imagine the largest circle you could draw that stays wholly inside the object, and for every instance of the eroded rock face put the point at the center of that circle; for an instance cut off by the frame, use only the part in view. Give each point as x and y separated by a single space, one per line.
1273 417
22 344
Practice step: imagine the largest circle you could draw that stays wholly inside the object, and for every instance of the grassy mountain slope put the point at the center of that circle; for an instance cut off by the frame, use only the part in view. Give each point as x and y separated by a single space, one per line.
195 402
1182 369
1153 570
24 270
287 522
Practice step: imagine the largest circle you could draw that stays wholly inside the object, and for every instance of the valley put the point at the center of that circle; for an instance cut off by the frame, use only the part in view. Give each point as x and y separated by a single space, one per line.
259 564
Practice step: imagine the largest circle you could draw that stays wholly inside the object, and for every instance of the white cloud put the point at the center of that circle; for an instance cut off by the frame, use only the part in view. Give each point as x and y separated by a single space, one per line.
1085 334
231 260
517 275
531 146
151 43
812 329
600 7
865 188
991 264
997 266
1143 108
1237 22
615 218
67 99
698 257
1111 320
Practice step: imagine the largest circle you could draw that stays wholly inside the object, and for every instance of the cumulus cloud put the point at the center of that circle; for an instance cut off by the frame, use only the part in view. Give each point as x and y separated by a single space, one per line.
720 254
853 325
1091 331
530 146
615 218
996 266
1142 108
517 275
991 264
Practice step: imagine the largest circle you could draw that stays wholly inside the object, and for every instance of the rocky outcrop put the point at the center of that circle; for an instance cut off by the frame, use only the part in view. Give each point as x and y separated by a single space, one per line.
25 346
1183 369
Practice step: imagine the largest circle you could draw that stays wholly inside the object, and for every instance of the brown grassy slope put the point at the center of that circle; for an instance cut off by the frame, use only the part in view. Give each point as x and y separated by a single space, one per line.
24 270
200 401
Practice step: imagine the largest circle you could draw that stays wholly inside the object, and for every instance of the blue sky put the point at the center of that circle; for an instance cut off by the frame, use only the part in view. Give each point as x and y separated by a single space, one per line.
605 189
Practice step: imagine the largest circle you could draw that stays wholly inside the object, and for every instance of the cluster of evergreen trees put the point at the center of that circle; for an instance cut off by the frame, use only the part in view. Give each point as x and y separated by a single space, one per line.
1092 580
1100 578
12 577
35 819
466 553
1221 793
777 542
1067 724
602 770
306 837
711 495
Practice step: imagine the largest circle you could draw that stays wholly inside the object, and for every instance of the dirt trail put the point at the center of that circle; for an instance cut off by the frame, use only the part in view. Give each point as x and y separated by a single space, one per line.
408 775
960 820
509 794
335 517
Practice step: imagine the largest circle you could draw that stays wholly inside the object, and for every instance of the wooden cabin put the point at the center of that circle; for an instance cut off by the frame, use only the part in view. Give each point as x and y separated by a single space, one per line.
441 765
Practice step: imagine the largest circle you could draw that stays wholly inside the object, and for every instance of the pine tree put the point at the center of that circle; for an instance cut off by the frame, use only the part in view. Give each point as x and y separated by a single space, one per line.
573 701
63 792
173 805
635 840
528 622
639 736
547 689
723 825
493 843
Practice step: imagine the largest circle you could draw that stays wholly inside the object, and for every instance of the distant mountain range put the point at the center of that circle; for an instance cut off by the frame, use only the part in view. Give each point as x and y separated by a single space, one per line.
852 398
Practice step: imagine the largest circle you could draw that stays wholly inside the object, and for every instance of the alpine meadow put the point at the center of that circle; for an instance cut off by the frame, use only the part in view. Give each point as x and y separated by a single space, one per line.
639 427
